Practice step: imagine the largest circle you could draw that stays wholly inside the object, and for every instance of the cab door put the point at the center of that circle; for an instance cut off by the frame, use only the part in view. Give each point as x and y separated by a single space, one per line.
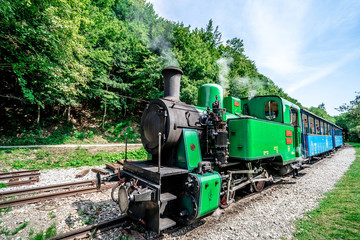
295 121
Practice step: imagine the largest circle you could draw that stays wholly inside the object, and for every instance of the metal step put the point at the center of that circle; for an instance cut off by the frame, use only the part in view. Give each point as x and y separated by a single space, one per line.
306 165
166 223
166 197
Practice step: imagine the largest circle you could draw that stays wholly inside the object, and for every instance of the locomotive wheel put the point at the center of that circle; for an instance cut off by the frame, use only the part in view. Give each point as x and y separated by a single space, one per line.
258 186
223 203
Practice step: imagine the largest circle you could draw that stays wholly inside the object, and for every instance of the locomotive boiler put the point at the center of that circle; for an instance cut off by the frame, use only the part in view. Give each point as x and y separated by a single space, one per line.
201 155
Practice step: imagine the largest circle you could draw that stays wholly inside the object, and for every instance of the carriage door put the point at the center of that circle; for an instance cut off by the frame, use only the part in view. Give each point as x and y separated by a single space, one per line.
294 120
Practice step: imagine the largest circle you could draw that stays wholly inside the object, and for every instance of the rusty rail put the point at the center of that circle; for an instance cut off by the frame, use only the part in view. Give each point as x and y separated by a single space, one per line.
45 188
39 198
88 231
18 172
19 175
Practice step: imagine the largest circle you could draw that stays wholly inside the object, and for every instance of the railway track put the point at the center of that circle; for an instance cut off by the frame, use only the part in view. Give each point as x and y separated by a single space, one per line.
32 175
245 197
13 178
89 231
38 198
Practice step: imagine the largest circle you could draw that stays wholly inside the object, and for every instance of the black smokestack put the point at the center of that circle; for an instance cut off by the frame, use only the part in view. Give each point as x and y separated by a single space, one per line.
172 76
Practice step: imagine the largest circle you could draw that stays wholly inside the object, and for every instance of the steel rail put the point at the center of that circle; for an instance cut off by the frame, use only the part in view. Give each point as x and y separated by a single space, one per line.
90 230
45 188
20 183
39 198
14 176
18 172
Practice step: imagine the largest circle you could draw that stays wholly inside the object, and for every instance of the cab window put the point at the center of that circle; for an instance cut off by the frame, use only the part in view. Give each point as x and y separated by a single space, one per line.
271 110
245 109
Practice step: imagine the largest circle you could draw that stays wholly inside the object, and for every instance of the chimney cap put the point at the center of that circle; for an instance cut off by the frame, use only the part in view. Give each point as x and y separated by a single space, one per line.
172 68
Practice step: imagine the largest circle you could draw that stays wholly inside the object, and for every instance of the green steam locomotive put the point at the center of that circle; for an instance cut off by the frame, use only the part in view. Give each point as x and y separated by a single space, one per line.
201 155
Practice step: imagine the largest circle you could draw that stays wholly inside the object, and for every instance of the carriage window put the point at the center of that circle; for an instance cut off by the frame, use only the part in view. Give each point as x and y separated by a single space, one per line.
294 117
321 128
271 110
312 125
317 124
327 129
305 123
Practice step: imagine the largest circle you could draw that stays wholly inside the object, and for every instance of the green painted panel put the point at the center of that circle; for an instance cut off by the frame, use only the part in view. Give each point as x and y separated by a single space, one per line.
186 203
209 198
256 107
189 152
287 114
252 139
232 105
207 93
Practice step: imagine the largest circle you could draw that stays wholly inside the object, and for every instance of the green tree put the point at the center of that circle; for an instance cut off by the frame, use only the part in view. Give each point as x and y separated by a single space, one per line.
349 120
321 112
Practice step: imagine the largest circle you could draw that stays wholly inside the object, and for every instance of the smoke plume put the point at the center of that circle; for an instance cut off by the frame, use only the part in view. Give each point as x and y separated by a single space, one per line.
240 86
224 70
163 46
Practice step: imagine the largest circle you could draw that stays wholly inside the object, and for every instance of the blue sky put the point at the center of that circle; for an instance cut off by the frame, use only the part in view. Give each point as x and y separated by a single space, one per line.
309 48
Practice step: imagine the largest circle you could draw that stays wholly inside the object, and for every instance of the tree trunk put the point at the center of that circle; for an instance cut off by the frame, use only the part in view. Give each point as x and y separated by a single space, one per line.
103 121
38 115
68 114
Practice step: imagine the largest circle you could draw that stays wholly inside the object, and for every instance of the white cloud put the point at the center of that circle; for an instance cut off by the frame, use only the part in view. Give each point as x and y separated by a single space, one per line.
323 72
277 29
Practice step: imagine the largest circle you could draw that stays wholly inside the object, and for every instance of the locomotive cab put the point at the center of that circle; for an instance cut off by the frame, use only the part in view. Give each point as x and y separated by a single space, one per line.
269 131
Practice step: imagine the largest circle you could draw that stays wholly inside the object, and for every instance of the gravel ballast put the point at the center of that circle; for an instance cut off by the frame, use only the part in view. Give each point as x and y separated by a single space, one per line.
270 214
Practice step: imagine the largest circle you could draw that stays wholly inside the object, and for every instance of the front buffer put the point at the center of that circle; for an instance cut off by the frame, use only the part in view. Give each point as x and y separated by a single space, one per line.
202 195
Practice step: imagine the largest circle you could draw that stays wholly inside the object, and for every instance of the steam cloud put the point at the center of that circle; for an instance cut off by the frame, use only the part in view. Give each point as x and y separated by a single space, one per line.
242 86
163 46
224 70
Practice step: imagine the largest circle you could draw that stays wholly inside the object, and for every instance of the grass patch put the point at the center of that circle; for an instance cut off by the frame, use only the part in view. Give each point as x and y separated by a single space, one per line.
52 215
67 133
19 228
338 215
46 159
5 231
3 185
50 232
31 232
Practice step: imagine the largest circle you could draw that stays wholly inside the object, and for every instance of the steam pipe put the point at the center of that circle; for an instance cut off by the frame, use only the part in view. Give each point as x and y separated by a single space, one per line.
159 154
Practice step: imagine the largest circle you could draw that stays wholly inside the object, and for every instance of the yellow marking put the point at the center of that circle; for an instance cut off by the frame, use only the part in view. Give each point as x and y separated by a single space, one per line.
292 153
266 152
288 148
276 148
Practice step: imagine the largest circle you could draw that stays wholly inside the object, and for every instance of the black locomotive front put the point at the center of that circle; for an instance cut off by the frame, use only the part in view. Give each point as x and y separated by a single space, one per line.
167 116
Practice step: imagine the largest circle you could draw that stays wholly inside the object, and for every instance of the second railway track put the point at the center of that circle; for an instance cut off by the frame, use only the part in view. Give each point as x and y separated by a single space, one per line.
32 199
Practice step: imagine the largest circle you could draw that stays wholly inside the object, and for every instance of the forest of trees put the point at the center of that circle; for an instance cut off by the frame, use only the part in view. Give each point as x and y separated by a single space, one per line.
96 61
349 120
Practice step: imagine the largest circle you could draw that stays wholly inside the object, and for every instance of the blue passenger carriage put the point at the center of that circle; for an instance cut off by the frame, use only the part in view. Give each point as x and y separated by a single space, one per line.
318 135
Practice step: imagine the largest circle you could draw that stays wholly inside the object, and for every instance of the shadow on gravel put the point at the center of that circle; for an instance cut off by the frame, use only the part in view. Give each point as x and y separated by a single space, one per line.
91 212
